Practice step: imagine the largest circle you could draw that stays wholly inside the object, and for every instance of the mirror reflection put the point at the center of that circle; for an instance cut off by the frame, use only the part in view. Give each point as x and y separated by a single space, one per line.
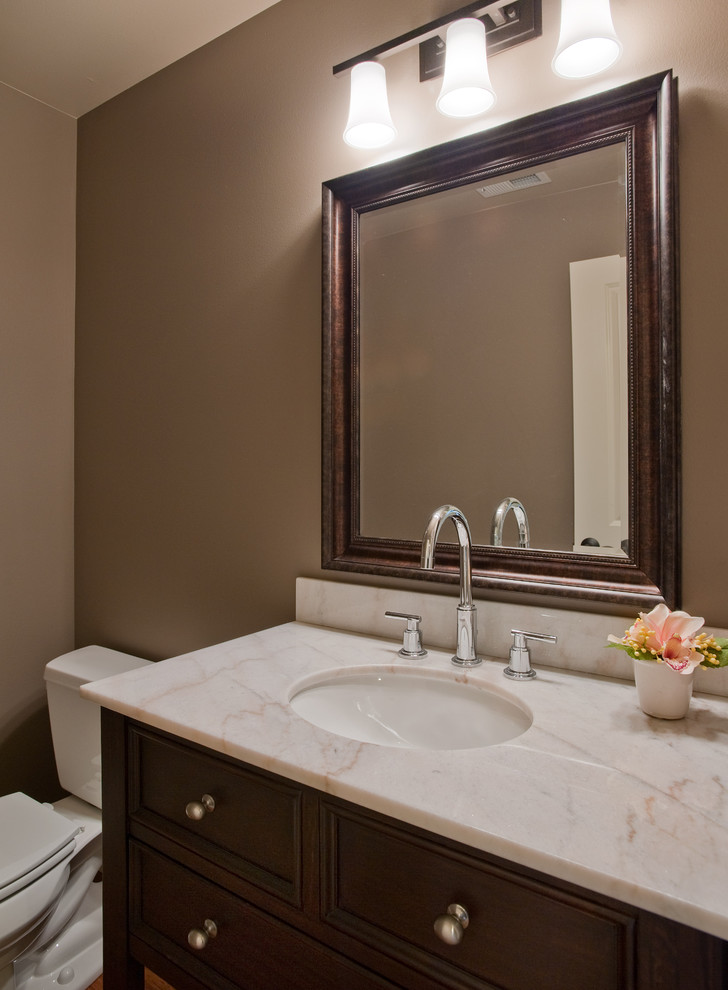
493 357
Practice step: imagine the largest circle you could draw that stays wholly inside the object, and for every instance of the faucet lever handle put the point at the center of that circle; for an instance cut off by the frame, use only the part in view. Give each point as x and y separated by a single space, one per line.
519 659
412 646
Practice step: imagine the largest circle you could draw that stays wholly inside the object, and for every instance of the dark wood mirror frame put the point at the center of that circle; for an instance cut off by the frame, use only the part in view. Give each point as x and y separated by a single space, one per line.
643 115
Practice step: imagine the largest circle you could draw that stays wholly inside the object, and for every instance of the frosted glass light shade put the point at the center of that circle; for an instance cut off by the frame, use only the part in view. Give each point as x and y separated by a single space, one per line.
588 42
370 123
466 87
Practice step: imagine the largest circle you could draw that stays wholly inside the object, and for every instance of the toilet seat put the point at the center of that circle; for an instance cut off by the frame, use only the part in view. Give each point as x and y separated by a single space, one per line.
34 840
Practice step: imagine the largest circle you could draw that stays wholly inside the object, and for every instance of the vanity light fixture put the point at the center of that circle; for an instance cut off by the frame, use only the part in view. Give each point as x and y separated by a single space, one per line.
466 88
588 42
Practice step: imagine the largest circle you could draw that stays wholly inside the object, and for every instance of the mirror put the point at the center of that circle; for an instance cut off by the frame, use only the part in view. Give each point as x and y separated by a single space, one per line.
493 310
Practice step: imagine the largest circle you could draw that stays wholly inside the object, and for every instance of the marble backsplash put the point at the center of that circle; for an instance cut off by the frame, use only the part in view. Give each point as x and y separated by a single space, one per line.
581 635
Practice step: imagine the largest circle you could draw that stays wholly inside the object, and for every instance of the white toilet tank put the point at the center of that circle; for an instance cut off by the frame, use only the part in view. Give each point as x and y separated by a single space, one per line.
76 722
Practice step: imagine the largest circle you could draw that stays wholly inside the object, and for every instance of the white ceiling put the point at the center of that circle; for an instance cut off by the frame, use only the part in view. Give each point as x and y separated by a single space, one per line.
75 54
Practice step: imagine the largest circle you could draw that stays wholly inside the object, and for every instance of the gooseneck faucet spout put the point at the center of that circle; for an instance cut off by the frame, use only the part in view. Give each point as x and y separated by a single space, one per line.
467 616
499 517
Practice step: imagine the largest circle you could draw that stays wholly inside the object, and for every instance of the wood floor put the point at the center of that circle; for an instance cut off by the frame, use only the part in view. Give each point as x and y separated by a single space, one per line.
151 982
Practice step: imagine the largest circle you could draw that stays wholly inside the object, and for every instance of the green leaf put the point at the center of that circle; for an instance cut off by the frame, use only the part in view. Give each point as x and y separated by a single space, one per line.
633 653
721 657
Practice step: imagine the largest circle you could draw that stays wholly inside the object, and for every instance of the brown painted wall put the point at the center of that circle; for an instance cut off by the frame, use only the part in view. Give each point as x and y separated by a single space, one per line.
37 206
198 333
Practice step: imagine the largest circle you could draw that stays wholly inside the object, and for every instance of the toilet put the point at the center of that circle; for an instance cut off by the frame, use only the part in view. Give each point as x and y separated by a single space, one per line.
50 855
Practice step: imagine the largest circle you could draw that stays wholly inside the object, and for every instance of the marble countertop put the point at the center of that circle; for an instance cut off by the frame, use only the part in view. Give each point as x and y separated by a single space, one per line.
595 792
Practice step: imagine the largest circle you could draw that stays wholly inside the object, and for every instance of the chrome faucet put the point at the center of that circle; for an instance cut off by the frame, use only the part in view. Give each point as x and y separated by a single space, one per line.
467 616
499 517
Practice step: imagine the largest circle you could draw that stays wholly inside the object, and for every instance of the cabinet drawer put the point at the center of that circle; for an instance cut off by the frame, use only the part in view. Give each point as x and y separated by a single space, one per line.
254 829
250 949
386 886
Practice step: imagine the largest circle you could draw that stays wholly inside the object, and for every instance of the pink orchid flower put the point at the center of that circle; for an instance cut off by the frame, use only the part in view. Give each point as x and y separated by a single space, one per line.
670 635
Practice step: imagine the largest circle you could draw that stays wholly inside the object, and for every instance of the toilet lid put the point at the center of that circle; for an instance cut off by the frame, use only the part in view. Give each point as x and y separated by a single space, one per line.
34 838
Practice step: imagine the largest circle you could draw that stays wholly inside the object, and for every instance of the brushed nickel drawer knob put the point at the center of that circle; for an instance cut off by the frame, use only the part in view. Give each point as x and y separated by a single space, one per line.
199 937
196 810
450 927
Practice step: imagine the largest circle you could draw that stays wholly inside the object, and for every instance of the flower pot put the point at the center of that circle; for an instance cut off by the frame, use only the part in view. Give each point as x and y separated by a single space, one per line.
662 691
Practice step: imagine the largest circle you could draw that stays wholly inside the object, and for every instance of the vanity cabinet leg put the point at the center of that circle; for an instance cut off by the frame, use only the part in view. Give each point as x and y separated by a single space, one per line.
121 972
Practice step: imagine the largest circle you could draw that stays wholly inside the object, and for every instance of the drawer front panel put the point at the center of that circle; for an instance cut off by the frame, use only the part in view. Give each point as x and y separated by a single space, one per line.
254 828
387 887
249 949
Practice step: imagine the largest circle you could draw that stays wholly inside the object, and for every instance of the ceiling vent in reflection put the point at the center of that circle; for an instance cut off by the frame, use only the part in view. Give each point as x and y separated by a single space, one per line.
514 185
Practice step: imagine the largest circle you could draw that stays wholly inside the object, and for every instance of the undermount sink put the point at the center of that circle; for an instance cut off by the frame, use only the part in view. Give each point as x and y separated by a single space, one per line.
409 708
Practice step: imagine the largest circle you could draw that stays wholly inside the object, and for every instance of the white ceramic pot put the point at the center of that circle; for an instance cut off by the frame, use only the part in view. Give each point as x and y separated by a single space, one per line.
662 691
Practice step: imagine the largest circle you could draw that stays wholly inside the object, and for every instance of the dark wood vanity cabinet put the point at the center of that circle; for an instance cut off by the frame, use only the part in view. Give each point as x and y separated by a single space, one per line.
220 875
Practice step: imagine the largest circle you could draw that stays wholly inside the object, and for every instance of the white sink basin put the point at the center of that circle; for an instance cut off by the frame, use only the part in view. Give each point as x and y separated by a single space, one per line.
410 708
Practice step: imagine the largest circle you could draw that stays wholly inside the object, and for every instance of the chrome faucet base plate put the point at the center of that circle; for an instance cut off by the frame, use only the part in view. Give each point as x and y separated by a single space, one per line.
519 675
410 654
467 663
